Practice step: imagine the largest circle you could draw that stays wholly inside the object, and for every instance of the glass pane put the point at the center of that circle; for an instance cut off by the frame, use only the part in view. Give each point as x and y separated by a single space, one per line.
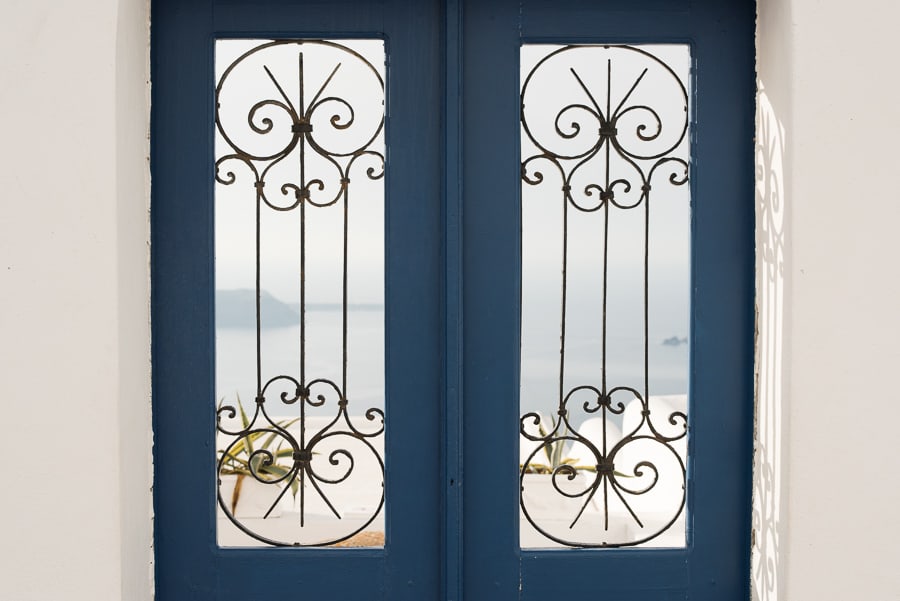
299 218
605 295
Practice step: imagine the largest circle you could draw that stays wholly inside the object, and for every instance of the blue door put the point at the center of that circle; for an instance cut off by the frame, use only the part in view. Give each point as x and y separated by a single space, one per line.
713 560
453 515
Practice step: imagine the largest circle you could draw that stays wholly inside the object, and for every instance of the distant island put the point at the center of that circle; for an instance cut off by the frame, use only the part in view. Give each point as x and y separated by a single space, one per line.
674 341
337 307
237 309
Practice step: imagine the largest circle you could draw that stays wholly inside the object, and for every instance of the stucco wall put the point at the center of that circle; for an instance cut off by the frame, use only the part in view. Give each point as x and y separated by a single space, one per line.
828 402
74 335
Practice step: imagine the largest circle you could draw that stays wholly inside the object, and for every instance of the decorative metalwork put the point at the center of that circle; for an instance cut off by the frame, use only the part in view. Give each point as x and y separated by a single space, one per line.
280 136
607 157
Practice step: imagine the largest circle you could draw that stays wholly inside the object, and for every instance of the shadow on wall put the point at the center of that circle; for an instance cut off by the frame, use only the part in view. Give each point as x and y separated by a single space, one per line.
769 478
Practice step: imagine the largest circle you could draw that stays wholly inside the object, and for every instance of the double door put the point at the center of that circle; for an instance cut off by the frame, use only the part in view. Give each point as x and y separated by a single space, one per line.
453 515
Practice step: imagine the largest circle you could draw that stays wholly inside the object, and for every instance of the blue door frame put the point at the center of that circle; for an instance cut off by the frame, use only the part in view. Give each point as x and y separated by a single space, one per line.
453 295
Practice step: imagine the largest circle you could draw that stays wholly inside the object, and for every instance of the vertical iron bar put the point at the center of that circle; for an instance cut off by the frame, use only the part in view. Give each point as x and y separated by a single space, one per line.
344 298
606 201
605 503
304 196
302 486
303 293
562 336
258 321
647 300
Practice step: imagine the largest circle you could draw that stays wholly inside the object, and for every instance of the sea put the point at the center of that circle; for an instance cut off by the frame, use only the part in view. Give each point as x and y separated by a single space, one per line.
236 376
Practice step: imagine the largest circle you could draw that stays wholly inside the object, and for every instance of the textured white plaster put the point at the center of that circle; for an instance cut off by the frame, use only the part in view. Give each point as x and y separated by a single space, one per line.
829 74
133 230
773 245
74 340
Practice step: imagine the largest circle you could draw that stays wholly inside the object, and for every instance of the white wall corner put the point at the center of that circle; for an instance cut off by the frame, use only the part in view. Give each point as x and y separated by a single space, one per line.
133 273
770 469
825 517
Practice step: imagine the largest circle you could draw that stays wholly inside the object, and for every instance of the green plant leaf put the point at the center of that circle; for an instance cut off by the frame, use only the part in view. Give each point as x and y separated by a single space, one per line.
244 445
277 470
246 423
281 453
547 447
284 424
234 459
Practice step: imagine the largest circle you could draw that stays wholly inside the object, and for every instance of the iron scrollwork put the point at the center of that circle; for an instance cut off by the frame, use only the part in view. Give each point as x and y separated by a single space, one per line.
604 157
298 155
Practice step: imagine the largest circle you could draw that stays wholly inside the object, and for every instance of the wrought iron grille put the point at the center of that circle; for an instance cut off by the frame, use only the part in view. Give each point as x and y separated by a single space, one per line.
296 152
602 152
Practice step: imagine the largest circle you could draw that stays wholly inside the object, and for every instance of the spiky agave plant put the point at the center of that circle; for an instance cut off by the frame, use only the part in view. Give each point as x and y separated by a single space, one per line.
241 461
554 451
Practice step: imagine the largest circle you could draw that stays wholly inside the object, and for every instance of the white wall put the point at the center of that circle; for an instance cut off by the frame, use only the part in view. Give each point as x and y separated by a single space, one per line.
74 336
829 407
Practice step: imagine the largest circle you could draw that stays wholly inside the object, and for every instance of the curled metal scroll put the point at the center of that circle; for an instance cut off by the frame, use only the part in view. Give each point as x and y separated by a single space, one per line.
295 151
296 459
603 150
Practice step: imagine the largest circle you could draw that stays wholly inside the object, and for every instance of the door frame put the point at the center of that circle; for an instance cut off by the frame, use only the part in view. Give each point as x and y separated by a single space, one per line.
459 319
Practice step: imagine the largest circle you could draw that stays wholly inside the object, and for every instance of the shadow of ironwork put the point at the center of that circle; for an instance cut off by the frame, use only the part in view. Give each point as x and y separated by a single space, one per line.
769 502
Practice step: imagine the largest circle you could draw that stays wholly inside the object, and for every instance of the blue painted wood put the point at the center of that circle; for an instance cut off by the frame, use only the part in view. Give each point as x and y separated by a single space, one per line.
188 563
453 475
183 523
491 299
715 564
453 297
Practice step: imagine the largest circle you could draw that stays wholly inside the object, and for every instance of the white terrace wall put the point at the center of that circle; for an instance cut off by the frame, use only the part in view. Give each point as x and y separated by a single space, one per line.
75 517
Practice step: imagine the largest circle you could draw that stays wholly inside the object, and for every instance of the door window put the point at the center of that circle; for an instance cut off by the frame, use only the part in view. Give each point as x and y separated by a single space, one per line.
299 305
605 294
